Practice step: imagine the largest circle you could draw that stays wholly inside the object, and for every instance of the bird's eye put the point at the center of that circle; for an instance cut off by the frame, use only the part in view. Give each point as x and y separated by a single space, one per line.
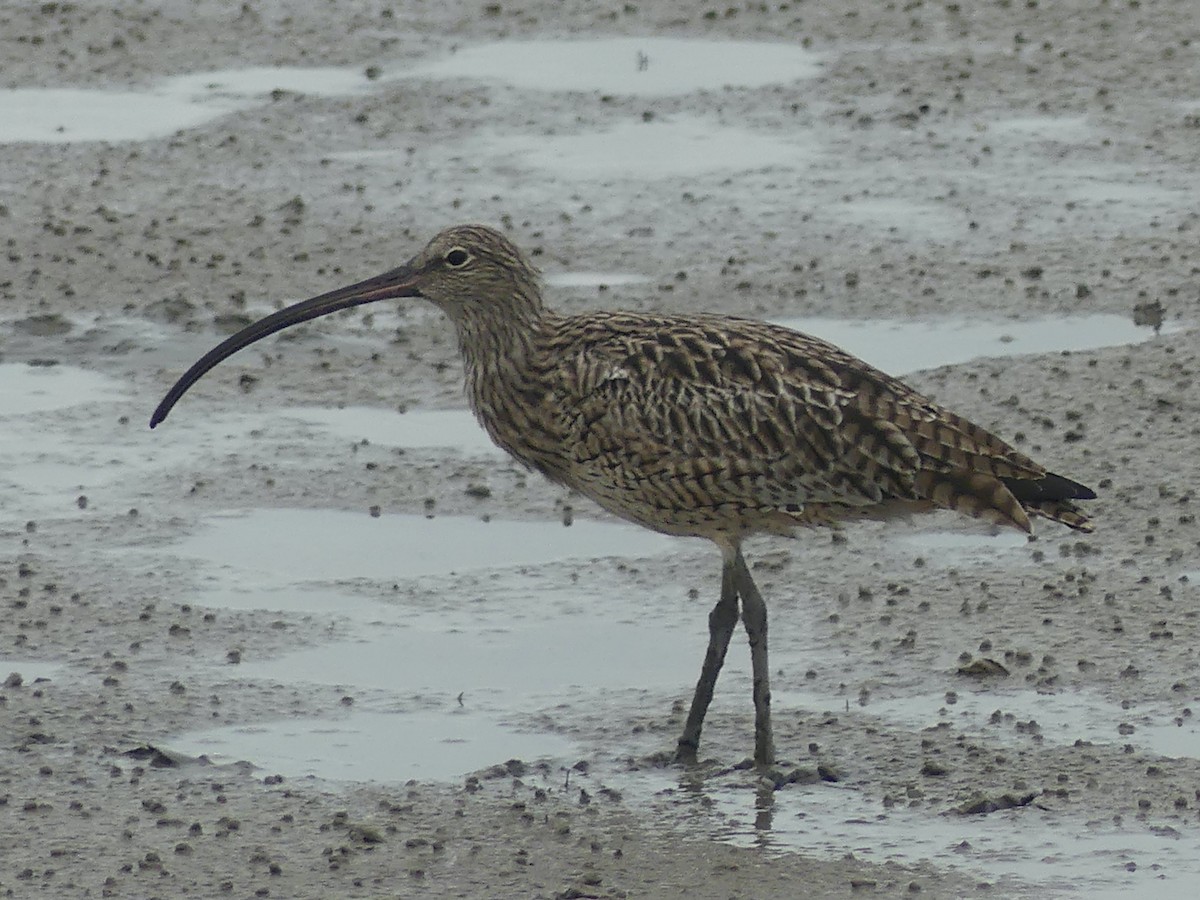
457 258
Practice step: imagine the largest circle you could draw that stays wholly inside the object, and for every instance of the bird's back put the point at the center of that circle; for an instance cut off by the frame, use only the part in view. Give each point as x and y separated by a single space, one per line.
711 425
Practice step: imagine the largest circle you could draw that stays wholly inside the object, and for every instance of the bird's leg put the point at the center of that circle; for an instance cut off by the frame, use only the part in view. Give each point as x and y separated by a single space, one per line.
754 617
721 622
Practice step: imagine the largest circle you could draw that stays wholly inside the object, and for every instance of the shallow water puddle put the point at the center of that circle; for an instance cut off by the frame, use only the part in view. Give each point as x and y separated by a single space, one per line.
45 451
418 429
899 347
479 669
1060 718
28 389
376 746
496 645
951 548
62 435
68 431
286 546
60 115
1029 851
645 66
506 630
681 147
496 666
1021 716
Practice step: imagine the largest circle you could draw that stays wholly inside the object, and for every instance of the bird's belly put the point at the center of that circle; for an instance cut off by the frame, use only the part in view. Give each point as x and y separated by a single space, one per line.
684 511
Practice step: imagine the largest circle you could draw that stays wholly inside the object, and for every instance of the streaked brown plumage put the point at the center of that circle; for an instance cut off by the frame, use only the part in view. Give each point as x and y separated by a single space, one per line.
708 426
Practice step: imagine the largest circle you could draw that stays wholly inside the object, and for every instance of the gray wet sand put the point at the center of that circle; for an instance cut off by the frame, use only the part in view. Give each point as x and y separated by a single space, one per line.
947 160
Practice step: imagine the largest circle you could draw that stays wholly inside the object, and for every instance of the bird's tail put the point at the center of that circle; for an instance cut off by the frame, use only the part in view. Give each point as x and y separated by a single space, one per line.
1064 512
1007 500
1051 496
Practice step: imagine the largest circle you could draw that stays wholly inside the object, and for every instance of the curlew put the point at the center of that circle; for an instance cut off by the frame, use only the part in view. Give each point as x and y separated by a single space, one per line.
700 425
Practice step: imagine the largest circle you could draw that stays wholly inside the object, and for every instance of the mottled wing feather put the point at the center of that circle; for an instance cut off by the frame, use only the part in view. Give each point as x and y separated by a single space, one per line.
962 465
709 419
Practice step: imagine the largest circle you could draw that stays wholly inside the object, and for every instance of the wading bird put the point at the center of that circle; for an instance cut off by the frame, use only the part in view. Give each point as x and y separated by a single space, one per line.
698 425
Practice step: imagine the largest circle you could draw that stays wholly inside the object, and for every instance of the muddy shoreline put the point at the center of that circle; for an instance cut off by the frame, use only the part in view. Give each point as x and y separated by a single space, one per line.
944 165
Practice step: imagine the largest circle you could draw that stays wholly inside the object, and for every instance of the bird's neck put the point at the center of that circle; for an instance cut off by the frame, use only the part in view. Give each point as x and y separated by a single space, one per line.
497 351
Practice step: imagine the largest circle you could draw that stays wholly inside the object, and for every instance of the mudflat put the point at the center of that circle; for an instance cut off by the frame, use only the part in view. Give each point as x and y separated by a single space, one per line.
313 637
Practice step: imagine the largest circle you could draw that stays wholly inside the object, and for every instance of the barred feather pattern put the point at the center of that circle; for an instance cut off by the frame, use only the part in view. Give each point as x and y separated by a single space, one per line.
717 426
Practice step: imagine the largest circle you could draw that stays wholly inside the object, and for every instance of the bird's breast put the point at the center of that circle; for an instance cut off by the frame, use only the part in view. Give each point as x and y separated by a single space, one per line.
524 425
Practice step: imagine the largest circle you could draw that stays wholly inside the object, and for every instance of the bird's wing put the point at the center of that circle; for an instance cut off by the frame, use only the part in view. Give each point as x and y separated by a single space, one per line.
725 411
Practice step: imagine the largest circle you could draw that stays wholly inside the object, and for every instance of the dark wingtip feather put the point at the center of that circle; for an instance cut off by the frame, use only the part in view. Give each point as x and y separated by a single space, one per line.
1049 487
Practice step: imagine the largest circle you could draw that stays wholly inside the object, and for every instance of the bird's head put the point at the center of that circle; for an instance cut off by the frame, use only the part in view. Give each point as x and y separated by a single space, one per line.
471 272
469 267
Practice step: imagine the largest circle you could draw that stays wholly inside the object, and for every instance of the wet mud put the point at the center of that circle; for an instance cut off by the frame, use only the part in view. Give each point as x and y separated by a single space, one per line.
315 637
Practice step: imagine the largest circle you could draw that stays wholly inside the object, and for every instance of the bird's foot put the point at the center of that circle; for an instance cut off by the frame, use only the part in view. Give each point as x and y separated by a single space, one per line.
686 754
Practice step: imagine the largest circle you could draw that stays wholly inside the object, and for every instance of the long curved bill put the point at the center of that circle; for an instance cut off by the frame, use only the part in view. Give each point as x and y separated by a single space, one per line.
401 282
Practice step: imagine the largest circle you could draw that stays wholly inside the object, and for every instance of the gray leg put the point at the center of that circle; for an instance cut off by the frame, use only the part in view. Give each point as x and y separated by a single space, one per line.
754 616
721 622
